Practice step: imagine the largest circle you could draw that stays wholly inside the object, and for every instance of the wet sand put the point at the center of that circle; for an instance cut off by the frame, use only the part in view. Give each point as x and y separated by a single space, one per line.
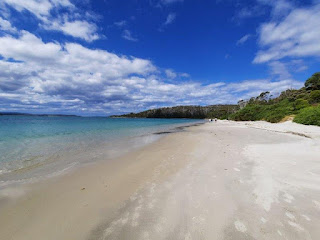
224 180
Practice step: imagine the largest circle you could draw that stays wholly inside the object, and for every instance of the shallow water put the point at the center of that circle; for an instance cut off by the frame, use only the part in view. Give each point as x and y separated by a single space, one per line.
32 147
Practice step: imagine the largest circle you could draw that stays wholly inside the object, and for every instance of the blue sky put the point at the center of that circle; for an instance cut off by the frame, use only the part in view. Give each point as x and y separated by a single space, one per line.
101 57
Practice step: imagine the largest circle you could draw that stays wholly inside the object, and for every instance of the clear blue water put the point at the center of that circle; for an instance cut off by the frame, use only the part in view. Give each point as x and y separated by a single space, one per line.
46 144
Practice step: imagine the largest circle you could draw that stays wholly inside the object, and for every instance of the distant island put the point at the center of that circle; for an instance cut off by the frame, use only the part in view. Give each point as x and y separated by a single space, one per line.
301 105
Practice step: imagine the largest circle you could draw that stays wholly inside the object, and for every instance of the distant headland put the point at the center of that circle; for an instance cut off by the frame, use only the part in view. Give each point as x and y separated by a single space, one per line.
39 115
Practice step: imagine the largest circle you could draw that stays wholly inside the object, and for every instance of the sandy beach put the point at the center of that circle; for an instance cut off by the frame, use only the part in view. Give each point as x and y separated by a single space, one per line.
224 180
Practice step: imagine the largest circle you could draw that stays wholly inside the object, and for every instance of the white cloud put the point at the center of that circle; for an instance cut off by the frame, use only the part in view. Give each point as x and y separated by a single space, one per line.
278 7
297 35
6 25
120 23
77 79
243 39
170 73
40 8
126 34
79 29
185 75
280 69
23 48
170 18
72 23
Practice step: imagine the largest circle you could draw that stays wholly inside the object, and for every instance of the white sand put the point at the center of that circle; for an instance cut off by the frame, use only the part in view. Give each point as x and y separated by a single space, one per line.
225 180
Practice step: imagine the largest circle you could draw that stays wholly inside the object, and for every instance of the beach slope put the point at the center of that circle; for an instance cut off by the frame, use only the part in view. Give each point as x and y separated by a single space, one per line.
224 180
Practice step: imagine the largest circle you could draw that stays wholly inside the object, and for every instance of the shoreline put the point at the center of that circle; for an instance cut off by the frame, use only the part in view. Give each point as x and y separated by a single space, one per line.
213 181
64 162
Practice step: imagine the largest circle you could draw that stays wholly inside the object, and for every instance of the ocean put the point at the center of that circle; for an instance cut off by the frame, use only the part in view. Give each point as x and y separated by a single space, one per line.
37 147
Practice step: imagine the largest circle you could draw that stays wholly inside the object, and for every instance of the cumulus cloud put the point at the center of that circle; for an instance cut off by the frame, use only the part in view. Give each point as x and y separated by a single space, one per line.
170 73
296 35
22 48
6 25
79 29
81 80
72 23
71 78
40 8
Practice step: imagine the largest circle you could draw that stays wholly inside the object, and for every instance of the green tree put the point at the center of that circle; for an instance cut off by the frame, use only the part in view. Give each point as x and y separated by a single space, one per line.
313 83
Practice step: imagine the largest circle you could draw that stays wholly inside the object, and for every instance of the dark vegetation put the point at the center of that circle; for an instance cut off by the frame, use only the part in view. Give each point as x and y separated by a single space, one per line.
196 112
303 104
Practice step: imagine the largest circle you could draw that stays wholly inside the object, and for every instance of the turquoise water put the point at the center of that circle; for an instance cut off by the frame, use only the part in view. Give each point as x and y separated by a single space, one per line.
40 145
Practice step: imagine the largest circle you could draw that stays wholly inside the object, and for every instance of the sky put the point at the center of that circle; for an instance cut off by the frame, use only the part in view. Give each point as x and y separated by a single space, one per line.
103 57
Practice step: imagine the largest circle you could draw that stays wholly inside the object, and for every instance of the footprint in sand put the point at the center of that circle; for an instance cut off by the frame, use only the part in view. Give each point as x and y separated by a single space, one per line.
306 217
240 226
296 226
263 220
290 215
288 198
316 203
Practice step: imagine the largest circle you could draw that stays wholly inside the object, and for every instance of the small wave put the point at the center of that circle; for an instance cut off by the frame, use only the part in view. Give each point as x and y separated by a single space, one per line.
3 171
6 183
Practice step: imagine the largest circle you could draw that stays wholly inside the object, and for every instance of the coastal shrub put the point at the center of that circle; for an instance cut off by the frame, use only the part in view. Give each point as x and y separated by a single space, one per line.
248 113
271 112
313 83
315 96
300 103
289 102
276 112
309 116
275 117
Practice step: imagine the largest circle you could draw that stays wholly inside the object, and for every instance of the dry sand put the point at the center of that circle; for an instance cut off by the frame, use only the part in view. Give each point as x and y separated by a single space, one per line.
224 180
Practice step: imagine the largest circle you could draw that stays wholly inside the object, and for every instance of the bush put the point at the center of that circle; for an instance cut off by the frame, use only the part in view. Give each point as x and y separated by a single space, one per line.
275 117
309 116
313 83
300 103
290 102
248 113
315 96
